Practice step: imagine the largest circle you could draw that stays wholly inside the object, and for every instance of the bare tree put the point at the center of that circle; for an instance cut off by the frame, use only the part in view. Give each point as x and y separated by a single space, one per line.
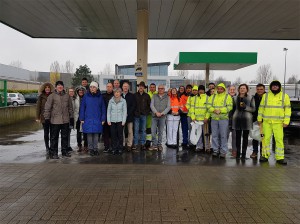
68 67
17 64
264 74
237 81
253 81
183 73
293 79
54 72
220 79
107 69
55 67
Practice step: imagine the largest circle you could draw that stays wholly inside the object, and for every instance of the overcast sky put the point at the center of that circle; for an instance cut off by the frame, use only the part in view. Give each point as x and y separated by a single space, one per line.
38 54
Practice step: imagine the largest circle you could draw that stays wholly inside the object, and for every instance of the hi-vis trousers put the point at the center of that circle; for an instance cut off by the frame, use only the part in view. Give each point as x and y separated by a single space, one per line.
268 130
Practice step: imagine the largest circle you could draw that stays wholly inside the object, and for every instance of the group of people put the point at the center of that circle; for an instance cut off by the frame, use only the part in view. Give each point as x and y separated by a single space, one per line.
136 121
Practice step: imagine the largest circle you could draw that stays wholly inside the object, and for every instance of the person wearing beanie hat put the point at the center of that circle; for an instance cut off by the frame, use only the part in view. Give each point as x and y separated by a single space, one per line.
198 111
189 103
59 83
201 87
219 105
273 115
95 84
92 116
59 112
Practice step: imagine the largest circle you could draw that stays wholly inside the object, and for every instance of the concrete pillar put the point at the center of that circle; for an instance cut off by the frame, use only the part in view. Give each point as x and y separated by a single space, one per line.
142 42
206 75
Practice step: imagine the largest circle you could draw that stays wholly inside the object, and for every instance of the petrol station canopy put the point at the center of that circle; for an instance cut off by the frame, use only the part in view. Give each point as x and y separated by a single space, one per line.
168 19
214 60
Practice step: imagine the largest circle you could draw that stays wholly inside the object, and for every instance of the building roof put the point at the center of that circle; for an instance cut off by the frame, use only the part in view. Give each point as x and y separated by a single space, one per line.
215 60
168 19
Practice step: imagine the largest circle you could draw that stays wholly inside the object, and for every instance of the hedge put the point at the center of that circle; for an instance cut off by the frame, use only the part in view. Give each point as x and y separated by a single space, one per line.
23 91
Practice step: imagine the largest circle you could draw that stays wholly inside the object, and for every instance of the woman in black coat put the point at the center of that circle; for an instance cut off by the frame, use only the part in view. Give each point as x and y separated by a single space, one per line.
243 107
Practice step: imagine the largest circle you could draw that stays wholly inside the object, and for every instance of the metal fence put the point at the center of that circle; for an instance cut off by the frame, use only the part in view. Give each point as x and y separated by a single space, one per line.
3 93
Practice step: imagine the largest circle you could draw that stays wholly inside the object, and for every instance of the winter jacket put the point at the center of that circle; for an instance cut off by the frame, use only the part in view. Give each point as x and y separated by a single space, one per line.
107 96
198 108
58 108
93 112
117 112
175 104
77 102
142 104
184 99
257 100
275 108
131 106
242 117
189 102
219 101
160 104
42 99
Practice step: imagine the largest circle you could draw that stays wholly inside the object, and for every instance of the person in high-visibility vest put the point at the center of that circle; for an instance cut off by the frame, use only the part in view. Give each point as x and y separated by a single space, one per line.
274 114
219 105
188 107
198 112
152 91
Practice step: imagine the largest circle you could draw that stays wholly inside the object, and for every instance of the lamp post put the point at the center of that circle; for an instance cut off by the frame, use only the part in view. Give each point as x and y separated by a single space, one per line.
284 49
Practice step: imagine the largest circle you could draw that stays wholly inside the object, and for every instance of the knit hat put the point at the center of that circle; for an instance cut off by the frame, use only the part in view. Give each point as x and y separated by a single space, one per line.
59 83
95 84
201 87
195 88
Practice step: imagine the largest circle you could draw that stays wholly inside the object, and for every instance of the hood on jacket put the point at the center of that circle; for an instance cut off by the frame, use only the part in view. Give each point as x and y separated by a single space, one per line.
222 85
80 88
275 83
42 87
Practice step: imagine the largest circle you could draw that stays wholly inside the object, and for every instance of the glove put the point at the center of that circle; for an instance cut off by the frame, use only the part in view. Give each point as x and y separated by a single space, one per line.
47 121
72 122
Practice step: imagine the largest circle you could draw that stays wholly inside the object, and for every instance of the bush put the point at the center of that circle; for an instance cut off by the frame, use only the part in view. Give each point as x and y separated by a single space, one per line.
22 91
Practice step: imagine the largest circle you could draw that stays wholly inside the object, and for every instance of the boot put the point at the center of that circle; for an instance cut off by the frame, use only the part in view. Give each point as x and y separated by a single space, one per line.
244 154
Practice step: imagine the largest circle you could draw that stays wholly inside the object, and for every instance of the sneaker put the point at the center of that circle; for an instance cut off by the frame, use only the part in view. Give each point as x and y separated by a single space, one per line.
222 156
134 147
253 155
106 149
128 148
263 159
281 162
215 154
153 148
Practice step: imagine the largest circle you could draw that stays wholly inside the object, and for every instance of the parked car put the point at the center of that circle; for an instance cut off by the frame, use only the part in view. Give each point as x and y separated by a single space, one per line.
16 99
31 97
295 116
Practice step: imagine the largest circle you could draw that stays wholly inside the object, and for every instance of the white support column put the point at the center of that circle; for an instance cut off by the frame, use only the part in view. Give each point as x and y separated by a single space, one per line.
142 42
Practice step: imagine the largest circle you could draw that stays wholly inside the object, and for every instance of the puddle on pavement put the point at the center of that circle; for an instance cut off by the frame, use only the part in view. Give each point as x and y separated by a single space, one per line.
9 133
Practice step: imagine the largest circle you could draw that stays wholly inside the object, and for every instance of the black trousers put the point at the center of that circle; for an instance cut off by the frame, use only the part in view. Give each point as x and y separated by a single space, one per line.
55 129
116 131
47 131
238 142
106 135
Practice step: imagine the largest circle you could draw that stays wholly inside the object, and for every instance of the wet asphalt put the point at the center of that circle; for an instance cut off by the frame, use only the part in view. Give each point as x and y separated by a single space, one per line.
23 143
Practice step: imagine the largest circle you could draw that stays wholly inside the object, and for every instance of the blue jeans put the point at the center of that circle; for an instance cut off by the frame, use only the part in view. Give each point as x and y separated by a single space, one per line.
140 130
185 129
219 131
